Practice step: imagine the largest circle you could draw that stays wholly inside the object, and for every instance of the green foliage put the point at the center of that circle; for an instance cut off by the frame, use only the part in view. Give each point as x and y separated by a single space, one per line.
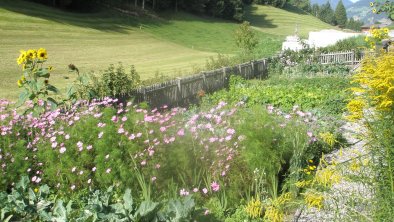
355 43
322 96
24 203
326 14
275 3
113 82
386 6
245 38
340 14
354 24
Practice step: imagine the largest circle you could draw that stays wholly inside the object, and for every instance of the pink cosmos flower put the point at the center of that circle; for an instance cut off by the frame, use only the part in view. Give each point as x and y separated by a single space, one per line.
132 136
181 132
163 128
62 149
89 147
124 119
231 131
195 190
183 192
215 186
205 190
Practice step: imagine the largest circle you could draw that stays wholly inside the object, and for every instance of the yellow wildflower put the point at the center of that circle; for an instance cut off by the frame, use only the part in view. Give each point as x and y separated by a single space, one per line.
314 199
327 176
20 83
254 208
371 4
42 54
328 138
374 10
36 190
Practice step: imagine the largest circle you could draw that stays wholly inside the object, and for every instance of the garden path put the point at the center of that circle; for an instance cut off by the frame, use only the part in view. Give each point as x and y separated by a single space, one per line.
350 198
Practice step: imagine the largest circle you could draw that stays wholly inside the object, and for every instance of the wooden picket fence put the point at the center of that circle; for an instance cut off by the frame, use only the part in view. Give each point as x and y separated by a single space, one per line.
184 90
346 57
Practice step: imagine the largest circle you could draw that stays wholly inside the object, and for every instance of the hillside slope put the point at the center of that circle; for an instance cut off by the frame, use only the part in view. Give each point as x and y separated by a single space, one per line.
277 21
170 44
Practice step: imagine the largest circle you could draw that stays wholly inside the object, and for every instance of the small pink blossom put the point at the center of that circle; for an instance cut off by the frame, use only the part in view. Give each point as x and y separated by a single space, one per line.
162 129
139 134
231 131
183 192
73 169
108 170
143 163
132 136
67 137
94 169
100 135
205 190
206 212
153 179
89 147
72 187
215 186
124 119
62 149
181 132
195 190
89 181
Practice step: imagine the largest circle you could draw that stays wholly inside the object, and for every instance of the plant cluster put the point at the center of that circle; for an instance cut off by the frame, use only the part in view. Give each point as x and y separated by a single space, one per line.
376 36
324 96
35 81
41 204
372 103
380 6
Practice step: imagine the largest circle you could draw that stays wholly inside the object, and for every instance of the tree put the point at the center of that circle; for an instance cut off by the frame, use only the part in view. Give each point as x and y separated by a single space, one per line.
340 14
245 38
354 24
326 14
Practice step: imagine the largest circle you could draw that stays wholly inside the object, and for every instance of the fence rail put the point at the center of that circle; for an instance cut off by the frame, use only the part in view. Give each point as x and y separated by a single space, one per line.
181 90
346 57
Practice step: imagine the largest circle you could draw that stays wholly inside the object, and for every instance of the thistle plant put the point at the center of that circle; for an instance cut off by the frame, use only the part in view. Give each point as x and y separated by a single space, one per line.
35 81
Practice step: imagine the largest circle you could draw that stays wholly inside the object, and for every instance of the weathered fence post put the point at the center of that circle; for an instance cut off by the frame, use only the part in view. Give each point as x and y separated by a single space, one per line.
204 81
179 90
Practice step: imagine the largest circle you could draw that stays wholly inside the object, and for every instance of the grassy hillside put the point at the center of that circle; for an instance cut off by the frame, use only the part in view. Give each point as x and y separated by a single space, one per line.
171 44
276 21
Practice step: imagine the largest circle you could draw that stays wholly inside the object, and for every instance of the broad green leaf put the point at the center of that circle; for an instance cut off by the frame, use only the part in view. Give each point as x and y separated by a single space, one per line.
22 98
52 88
22 183
147 207
128 200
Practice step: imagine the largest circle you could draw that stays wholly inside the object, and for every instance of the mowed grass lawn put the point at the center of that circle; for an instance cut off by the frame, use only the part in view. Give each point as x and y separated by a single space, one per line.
276 21
171 44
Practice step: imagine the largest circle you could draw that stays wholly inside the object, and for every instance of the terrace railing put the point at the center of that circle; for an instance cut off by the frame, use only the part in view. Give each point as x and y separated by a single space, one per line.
346 57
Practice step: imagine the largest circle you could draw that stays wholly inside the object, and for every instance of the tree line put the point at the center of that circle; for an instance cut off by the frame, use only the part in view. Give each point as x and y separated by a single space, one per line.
227 9
327 14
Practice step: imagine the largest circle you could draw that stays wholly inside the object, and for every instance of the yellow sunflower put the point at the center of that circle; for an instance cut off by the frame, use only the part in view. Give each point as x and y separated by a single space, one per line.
42 54
22 57
31 54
